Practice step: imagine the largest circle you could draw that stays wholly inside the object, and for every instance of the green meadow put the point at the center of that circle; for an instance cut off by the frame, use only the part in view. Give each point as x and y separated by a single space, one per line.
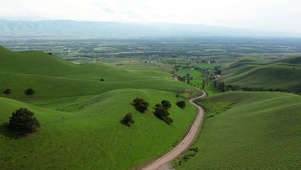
80 115
276 75
248 130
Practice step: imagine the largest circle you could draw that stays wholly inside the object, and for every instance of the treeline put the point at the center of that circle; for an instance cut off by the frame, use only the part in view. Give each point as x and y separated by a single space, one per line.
223 87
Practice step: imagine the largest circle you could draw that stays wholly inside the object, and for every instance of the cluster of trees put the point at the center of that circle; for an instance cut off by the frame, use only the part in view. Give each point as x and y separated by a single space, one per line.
187 78
161 111
140 104
218 70
23 121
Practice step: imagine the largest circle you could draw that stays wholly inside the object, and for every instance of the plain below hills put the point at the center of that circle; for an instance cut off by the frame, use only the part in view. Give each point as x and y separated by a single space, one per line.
80 114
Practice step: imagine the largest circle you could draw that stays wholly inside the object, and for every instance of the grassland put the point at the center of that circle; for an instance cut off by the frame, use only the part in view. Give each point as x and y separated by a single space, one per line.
249 130
80 115
279 75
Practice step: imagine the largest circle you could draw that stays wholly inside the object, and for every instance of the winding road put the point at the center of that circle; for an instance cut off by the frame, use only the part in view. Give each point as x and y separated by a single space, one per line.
161 163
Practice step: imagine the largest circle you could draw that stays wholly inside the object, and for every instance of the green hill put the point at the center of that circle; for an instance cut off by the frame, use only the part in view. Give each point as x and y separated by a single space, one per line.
280 75
249 130
80 115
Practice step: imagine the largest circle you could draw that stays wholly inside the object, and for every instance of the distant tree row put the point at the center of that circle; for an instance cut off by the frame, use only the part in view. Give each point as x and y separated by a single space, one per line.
28 92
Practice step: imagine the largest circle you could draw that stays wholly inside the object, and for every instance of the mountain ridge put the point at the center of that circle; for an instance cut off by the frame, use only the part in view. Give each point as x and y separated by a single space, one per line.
71 28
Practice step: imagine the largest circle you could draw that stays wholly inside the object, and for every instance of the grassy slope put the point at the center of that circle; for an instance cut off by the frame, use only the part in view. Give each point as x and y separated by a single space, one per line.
260 131
80 115
281 74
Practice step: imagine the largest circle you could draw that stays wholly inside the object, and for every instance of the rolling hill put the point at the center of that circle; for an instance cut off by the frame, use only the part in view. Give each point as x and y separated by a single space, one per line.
80 115
249 130
279 75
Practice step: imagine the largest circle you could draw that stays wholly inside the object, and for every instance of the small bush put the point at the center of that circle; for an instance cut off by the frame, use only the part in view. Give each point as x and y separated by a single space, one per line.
22 120
166 104
29 92
102 79
181 104
7 91
128 119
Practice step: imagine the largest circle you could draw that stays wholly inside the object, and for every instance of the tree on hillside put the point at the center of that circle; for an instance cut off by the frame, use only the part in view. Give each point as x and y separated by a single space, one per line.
166 104
7 91
140 104
29 92
181 104
22 120
162 113
128 119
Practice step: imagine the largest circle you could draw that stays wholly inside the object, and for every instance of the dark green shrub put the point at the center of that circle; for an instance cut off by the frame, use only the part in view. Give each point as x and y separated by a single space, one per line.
22 120
128 119
7 91
181 104
29 92
140 104
166 104
162 113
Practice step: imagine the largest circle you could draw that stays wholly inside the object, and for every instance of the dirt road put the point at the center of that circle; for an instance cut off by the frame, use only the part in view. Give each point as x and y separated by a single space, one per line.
161 163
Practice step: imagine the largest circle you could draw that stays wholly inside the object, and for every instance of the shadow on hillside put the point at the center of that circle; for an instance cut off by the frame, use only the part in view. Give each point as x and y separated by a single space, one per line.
10 134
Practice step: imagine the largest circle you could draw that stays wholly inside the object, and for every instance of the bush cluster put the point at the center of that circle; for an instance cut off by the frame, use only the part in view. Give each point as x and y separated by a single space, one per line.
161 111
140 104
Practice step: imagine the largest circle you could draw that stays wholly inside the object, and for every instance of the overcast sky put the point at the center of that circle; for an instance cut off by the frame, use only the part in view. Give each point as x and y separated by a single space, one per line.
273 15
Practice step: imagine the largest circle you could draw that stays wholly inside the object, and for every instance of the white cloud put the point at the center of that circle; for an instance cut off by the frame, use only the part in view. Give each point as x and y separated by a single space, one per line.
256 14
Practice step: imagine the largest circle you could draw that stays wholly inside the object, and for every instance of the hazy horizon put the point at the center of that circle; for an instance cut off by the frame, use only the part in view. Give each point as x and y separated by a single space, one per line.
268 15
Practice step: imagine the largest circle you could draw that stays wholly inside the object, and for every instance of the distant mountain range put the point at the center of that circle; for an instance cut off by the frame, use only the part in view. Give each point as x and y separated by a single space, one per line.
78 29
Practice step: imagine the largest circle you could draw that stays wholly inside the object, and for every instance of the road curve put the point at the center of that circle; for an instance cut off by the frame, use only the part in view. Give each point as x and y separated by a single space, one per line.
185 143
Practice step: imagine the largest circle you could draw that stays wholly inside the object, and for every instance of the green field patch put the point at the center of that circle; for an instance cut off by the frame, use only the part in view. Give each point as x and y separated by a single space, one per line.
205 65
279 75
